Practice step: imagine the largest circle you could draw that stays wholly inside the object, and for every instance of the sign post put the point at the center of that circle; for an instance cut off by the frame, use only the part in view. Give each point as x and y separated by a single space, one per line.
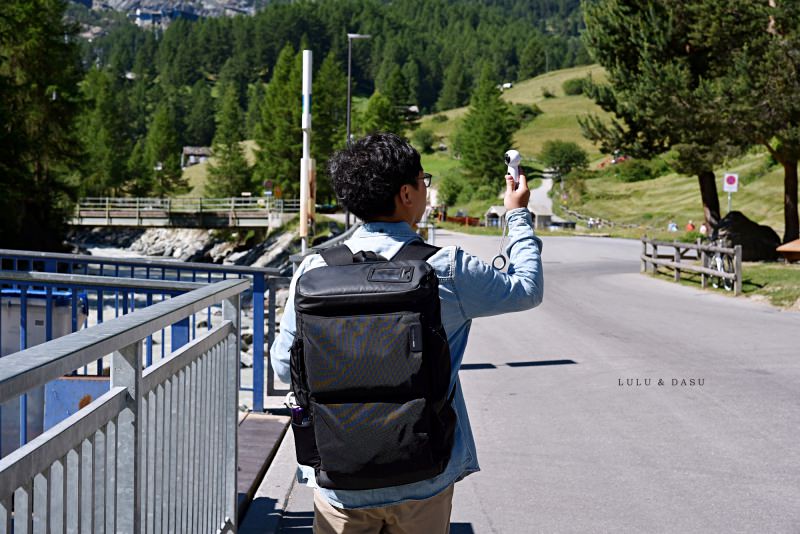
307 167
730 184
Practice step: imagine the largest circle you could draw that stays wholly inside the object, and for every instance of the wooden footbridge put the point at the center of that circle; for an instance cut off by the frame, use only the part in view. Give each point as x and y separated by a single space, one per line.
236 212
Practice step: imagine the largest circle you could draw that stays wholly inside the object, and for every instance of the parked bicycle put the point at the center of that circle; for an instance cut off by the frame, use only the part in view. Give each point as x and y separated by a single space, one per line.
719 262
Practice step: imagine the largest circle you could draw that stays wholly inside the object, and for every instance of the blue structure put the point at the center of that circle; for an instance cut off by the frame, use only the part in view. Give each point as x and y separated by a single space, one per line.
131 284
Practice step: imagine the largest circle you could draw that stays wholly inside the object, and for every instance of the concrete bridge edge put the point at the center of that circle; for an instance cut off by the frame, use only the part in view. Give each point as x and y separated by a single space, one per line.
264 514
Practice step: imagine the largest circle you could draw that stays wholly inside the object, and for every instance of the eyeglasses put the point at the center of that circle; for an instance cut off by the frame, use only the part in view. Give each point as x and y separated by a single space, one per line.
426 179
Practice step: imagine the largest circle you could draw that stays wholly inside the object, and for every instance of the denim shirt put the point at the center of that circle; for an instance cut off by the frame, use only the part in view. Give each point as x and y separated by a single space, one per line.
468 288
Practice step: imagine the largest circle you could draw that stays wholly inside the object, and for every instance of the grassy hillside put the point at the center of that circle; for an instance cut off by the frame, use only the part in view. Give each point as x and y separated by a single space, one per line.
559 120
652 203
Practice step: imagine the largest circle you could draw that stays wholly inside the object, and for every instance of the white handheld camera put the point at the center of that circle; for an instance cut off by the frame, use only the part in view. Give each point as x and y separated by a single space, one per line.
512 160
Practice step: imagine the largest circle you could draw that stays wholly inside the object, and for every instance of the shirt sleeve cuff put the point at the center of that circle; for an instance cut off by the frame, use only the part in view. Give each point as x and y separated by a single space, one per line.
519 214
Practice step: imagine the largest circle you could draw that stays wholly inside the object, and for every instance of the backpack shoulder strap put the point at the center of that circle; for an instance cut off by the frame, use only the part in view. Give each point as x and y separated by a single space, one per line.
342 255
338 255
416 250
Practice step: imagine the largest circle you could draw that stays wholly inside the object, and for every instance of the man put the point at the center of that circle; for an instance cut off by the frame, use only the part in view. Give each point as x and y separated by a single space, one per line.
380 179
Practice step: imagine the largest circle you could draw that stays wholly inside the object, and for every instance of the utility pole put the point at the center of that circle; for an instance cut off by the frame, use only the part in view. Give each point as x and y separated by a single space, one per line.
350 37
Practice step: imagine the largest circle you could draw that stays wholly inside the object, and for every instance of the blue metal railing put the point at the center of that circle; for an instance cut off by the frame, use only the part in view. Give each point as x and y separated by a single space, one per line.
125 297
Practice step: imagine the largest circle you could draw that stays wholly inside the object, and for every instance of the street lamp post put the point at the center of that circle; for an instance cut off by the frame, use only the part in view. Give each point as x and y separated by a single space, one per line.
350 37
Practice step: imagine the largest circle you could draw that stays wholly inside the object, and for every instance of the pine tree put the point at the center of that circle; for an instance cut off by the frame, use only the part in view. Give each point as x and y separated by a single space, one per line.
411 75
760 87
39 149
255 97
140 172
229 175
486 133
660 88
329 116
395 87
279 137
532 60
199 118
105 135
455 90
163 153
381 115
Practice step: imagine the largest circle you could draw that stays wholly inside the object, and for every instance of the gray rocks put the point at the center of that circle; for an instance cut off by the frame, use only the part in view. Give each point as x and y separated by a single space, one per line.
178 243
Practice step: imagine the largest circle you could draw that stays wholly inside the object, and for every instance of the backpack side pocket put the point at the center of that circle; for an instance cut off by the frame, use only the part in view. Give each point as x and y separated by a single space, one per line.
297 367
305 444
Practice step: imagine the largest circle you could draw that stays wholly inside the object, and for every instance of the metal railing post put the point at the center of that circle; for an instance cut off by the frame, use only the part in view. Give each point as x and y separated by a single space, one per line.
271 333
258 342
231 422
231 308
737 269
126 371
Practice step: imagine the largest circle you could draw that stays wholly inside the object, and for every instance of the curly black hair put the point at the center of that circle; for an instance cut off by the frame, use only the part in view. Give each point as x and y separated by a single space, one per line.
368 174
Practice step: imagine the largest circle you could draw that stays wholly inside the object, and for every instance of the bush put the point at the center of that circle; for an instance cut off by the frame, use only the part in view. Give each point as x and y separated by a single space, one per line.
634 170
547 93
424 140
449 189
439 118
574 86
486 192
659 166
574 188
524 113
691 237
563 156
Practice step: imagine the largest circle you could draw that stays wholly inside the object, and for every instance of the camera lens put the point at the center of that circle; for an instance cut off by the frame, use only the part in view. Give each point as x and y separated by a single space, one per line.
508 159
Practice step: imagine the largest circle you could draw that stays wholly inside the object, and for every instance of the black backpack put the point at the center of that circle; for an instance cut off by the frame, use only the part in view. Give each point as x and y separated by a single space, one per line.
370 369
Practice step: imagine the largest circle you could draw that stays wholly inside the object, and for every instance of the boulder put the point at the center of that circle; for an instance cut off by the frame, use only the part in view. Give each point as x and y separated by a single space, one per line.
759 242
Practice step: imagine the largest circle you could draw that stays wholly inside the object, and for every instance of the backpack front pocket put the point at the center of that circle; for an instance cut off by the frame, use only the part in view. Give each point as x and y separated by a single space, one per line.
371 440
364 355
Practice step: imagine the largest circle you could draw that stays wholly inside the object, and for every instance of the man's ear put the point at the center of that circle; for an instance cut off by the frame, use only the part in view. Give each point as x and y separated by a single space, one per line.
405 198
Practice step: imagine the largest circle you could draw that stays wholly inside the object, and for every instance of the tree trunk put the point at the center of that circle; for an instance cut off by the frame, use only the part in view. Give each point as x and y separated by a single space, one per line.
708 194
790 218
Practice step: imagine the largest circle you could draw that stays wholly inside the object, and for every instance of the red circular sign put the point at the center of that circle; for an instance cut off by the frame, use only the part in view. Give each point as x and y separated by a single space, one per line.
730 179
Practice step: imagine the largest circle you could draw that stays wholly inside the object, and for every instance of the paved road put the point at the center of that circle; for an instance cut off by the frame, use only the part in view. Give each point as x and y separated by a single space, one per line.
540 201
565 448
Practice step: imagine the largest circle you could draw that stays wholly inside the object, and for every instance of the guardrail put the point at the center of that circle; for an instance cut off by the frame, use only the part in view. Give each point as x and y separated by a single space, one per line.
716 262
157 452
146 205
125 297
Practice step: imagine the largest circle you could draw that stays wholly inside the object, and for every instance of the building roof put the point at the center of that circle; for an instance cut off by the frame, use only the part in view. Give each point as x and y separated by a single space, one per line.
197 151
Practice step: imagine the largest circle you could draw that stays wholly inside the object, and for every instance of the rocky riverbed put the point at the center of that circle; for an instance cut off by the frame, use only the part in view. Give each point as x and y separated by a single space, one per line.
187 244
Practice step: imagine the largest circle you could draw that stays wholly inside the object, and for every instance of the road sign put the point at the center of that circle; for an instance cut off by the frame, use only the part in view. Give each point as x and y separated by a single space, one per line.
731 183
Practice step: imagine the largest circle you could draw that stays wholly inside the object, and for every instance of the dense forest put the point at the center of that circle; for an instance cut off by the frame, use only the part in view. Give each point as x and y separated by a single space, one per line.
424 53
109 116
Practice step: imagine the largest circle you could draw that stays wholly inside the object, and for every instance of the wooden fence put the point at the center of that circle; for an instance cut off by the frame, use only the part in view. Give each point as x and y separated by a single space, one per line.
685 257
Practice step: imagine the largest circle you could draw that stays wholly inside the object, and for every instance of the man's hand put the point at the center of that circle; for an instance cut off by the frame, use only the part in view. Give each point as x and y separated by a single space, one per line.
516 198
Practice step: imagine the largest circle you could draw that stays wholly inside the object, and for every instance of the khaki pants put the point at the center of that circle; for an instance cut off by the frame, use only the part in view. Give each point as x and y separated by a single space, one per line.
431 516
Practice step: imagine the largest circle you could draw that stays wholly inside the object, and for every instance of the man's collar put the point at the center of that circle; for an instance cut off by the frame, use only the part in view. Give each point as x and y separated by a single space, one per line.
399 229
